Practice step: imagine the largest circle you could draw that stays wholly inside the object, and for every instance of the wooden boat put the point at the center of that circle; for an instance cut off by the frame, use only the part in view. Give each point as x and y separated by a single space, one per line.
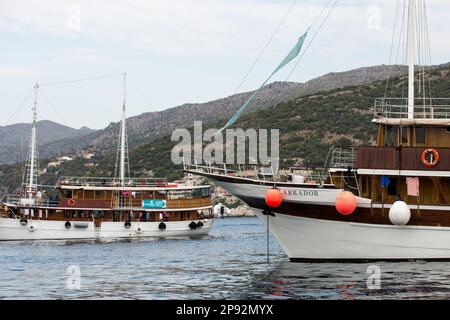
400 186
102 208
99 208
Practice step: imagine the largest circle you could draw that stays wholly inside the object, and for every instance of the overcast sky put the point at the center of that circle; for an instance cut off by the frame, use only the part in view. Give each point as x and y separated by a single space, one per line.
178 51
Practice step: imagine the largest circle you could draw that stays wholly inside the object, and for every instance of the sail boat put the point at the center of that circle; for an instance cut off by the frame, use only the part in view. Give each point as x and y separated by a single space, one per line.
104 207
389 201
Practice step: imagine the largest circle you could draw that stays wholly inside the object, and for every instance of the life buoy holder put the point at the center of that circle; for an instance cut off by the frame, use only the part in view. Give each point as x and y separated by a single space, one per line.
32 228
71 202
138 230
67 224
192 225
162 226
127 224
430 158
23 222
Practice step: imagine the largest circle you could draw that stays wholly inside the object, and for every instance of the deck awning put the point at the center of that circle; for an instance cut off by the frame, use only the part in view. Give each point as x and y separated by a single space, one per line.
412 122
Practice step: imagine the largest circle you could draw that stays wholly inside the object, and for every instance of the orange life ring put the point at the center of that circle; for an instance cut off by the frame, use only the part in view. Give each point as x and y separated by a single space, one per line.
71 202
430 158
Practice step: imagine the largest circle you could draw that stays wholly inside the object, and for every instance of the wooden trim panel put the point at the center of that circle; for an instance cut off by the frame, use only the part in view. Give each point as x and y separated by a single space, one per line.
431 218
392 158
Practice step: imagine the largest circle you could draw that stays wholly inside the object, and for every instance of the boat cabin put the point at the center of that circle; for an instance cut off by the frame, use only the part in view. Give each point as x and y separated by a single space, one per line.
411 158
102 199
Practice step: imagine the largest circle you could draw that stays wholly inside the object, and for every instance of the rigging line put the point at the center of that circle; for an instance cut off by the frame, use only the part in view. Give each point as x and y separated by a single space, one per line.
312 39
320 27
423 52
321 12
81 80
398 41
430 59
147 101
402 44
265 46
402 33
426 68
21 105
65 122
418 34
391 55
428 47
392 48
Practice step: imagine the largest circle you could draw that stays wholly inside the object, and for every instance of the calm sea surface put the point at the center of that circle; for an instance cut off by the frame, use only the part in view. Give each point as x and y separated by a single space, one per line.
229 264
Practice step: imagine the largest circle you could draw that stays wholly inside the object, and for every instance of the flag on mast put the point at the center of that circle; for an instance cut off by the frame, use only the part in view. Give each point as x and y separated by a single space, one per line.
290 56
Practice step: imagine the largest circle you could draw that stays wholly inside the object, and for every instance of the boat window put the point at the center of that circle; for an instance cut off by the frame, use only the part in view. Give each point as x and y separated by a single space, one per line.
421 133
390 136
197 193
68 193
174 195
405 135
205 192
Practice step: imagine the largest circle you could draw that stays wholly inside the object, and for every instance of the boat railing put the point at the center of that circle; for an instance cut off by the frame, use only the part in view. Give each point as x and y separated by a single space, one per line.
22 201
262 173
245 171
110 182
424 108
341 157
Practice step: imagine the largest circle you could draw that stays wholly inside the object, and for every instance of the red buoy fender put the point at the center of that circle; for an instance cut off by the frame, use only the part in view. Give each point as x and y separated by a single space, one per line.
346 203
273 198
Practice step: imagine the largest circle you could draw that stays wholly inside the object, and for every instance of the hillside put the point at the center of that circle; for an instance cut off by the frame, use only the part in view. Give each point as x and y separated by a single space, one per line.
12 137
308 125
147 126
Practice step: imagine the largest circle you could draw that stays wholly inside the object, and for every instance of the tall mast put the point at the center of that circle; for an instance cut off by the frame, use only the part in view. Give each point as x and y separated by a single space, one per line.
32 173
123 131
411 45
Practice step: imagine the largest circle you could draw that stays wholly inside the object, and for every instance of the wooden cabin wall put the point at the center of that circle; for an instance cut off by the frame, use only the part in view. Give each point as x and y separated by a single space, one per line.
433 190
380 136
435 136
438 137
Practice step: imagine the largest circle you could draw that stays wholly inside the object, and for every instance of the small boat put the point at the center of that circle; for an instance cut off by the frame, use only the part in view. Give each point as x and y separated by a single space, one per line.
389 201
104 207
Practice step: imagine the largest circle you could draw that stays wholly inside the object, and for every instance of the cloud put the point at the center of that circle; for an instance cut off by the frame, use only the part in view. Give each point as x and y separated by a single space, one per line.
175 26
11 71
192 50
239 27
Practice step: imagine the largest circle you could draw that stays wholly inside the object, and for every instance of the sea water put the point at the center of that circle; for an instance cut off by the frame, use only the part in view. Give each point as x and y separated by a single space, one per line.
230 263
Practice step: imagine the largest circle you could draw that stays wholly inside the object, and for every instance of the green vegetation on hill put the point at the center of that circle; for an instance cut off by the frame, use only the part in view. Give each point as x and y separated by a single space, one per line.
309 126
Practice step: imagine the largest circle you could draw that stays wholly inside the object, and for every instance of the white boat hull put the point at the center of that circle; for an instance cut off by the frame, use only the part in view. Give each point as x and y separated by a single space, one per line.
306 239
11 229
314 239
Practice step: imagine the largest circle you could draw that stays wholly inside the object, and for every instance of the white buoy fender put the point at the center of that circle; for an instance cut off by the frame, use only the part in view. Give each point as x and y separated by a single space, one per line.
399 214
